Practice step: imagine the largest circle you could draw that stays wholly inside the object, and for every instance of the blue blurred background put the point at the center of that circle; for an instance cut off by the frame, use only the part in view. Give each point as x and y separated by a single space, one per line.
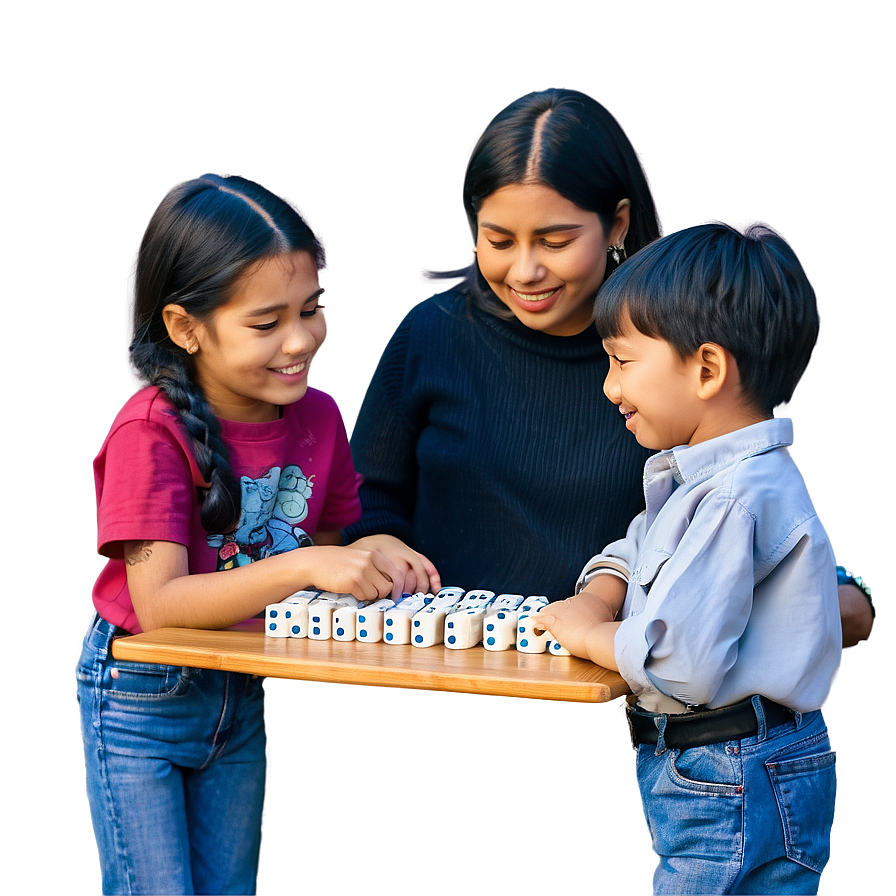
743 111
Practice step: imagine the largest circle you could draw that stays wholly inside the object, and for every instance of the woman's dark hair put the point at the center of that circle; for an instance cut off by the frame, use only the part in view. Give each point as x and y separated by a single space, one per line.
746 292
204 236
567 141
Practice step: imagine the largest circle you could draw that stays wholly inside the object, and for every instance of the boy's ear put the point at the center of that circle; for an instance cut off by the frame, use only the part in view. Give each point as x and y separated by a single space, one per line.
181 327
713 362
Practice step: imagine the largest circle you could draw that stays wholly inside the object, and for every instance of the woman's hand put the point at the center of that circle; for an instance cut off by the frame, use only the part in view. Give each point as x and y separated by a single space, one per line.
414 572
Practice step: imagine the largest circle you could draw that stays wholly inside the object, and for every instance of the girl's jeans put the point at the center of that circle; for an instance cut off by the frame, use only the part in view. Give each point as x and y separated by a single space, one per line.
744 816
175 772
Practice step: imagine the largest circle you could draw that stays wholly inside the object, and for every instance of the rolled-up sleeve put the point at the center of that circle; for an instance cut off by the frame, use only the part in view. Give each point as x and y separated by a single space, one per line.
681 637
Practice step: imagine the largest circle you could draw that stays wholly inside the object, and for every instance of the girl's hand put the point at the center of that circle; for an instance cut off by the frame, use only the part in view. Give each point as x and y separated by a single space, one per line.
414 571
365 572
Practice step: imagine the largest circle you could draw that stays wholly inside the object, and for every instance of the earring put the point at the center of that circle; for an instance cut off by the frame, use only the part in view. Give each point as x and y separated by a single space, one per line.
616 254
475 250
192 348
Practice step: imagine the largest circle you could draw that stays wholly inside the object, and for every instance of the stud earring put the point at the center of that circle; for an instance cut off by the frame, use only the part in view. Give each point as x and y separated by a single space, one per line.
192 348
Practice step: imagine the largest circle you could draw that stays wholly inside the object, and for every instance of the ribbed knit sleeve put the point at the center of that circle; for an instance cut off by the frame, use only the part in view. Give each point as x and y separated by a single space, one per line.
383 444
492 449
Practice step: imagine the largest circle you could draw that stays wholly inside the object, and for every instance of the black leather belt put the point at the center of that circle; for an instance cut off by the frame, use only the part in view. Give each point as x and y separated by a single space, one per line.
712 726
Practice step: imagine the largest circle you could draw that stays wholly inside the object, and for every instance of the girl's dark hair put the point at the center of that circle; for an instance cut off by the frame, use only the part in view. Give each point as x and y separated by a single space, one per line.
204 236
567 141
746 292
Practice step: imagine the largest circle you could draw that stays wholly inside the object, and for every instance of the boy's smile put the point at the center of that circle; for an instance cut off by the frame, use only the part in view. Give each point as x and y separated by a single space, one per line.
654 388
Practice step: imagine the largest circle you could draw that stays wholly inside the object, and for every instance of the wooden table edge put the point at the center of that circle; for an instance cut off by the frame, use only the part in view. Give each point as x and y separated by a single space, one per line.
434 668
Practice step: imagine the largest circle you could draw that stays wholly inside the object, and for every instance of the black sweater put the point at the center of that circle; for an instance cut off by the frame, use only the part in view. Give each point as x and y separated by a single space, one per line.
491 449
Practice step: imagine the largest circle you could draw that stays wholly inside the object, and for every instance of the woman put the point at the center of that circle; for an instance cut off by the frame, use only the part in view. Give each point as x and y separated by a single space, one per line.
484 440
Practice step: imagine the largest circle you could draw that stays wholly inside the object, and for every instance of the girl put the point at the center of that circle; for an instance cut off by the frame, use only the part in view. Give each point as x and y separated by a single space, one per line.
209 479
486 409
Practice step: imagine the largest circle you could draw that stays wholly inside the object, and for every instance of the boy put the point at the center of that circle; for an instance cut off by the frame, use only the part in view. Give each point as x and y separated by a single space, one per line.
725 585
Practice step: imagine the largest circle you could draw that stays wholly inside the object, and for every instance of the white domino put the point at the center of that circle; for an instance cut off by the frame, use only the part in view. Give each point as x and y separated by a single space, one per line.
289 618
499 624
320 613
345 622
463 625
428 623
527 639
369 620
555 647
277 619
397 620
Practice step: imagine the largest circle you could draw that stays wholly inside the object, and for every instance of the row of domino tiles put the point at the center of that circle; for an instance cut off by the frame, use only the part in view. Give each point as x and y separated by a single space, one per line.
456 618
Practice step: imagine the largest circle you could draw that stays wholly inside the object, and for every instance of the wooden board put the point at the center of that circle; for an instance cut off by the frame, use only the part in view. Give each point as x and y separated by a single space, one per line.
507 673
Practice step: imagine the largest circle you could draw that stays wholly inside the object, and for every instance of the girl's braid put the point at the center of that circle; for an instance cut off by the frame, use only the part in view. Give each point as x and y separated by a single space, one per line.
166 369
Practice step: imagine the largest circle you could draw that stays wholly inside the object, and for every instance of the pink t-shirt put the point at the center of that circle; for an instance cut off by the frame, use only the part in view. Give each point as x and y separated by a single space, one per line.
296 476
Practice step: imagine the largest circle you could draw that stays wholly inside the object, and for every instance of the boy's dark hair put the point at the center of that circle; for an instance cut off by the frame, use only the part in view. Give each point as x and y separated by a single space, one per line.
746 292
204 236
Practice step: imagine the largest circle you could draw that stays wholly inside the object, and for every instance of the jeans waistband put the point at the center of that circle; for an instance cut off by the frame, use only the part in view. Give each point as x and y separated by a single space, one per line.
713 726
104 627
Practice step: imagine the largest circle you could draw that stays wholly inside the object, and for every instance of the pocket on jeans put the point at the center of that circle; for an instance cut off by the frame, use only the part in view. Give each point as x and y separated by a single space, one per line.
693 802
145 680
805 789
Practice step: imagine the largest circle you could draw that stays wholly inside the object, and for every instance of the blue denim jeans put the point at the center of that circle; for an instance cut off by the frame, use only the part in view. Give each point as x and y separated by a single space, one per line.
175 772
743 816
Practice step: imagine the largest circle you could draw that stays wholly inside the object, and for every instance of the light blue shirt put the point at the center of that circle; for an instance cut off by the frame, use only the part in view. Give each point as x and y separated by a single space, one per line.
733 583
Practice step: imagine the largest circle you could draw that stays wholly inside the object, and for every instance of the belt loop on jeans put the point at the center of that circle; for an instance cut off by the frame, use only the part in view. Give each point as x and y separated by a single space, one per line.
762 730
661 721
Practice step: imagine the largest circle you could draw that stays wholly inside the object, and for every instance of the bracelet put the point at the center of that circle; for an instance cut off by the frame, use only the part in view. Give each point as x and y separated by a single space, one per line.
845 577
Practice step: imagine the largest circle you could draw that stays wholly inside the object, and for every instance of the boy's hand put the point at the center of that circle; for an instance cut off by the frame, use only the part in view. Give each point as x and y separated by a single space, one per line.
569 620
583 625
413 571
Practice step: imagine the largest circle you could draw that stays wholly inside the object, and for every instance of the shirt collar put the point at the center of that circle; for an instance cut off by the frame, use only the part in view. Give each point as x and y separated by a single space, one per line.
693 463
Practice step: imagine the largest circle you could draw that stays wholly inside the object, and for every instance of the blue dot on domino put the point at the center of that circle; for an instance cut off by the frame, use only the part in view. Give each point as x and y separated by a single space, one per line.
490 627
315 618
524 642
362 633
316 629
273 626
389 621
296 629
452 639
450 625
490 642
389 636
416 623
340 631
418 639
362 619
274 614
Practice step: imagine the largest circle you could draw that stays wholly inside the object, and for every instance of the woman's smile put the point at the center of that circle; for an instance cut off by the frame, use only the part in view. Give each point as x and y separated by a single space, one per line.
543 256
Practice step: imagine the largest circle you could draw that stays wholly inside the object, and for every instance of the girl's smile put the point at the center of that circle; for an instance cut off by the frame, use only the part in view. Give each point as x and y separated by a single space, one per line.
253 354
543 256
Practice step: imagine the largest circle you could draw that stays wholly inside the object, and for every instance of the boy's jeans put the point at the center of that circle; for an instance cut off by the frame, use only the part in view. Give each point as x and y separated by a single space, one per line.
175 772
744 816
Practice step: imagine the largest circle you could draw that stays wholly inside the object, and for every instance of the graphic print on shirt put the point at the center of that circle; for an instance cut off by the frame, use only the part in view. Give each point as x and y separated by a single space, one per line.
273 505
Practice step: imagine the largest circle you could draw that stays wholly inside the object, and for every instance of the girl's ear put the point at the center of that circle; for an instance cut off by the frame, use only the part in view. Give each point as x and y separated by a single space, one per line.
181 326
619 230
714 366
